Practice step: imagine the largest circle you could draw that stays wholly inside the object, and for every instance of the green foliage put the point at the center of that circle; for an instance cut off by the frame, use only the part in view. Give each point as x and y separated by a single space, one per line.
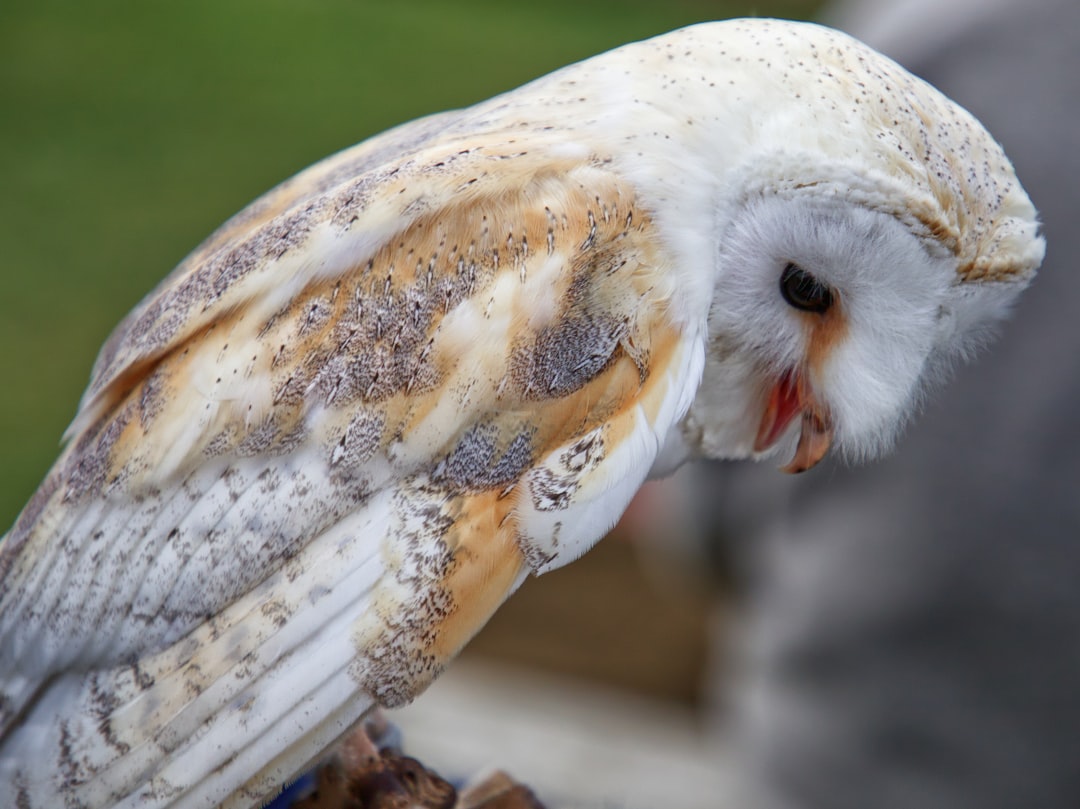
130 129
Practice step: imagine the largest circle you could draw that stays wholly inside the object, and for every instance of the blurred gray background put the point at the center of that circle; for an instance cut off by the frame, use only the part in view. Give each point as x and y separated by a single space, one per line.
911 632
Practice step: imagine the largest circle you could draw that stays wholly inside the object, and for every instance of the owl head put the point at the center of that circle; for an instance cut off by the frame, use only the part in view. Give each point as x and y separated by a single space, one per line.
868 233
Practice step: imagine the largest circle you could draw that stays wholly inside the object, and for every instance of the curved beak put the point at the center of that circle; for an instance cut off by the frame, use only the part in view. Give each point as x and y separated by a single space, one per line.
789 397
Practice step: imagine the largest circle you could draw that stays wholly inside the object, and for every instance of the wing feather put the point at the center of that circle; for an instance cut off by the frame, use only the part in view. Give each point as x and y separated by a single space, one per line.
308 470
356 168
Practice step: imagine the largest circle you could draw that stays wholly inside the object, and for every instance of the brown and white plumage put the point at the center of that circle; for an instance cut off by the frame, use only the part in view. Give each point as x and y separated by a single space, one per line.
311 464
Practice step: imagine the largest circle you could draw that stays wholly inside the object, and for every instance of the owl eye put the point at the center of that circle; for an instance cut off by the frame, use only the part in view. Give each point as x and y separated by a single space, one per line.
803 291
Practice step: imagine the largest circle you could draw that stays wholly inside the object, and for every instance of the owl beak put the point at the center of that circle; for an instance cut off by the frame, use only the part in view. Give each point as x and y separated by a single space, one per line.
789 397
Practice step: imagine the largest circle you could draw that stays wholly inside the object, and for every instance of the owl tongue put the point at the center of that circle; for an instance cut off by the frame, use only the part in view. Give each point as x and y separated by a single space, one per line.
788 398
784 403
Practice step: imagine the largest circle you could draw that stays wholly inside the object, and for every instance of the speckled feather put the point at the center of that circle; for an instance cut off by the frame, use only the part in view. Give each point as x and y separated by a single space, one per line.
252 437
312 463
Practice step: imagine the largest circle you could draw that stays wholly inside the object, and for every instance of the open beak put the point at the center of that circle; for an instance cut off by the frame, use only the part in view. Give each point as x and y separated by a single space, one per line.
789 397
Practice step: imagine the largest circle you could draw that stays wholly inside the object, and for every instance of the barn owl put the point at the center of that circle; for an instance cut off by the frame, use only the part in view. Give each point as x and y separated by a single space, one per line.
313 461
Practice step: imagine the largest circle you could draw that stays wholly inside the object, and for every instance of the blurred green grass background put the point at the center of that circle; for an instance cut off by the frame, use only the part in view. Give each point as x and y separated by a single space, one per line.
129 130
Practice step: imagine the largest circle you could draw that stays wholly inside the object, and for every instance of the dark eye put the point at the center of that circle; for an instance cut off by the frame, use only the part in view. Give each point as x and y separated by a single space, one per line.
804 291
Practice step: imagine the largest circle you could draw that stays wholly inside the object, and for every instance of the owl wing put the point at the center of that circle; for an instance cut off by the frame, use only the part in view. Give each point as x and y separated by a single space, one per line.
312 464
255 241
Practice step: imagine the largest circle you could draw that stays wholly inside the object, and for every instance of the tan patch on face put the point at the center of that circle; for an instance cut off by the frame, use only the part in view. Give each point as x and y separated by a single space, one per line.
824 332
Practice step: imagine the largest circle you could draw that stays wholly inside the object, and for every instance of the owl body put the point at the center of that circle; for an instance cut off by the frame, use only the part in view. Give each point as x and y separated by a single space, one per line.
316 458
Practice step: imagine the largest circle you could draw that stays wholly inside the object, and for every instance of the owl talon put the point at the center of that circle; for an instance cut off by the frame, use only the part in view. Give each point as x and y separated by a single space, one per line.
363 777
